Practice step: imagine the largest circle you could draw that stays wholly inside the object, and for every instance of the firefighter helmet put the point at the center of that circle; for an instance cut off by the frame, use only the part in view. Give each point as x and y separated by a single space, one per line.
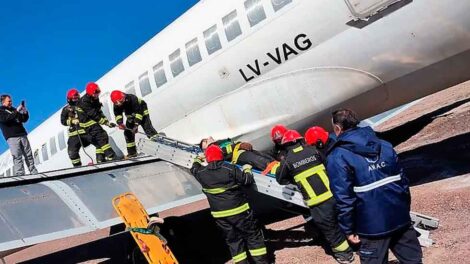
316 136
92 89
277 132
214 153
117 96
73 95
290 136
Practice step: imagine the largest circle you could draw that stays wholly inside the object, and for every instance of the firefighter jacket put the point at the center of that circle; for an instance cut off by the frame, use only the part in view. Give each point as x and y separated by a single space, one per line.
370 188
92 108
70 112
303 166
278 152
11 122
133 107
222 182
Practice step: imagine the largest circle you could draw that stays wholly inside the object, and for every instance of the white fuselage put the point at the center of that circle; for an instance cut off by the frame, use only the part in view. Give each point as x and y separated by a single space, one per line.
292 67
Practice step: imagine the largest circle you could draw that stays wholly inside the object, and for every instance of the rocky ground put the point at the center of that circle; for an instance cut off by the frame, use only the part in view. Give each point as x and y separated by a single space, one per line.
433 141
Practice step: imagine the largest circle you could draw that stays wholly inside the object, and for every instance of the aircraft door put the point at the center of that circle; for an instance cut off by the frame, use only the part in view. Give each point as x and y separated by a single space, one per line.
363 9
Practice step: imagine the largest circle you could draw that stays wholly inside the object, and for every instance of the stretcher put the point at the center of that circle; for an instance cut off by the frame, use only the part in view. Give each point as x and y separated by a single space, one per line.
147 236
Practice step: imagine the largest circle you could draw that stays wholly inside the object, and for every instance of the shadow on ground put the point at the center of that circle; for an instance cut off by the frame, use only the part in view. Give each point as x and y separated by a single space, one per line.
404 132
440 160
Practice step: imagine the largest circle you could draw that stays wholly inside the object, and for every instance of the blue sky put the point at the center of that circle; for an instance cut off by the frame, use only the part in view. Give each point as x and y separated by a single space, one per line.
50 46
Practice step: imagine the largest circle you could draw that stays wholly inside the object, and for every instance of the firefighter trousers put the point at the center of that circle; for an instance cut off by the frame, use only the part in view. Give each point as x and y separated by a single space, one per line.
130 137
74 143
243 237
99 139
324 217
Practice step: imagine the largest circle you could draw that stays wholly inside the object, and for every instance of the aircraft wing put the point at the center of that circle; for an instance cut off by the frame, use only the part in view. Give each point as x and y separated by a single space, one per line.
58 204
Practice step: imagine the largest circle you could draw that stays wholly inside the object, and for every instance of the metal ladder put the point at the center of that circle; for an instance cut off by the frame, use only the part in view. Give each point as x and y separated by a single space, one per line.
182 154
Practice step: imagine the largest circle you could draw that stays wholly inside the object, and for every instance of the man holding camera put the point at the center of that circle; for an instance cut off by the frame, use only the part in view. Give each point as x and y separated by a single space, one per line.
11 123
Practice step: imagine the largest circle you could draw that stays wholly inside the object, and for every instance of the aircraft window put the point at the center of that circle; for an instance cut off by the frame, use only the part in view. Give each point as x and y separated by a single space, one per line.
193 53
36 157
44 152
53 146
231 25
212 40
159 74
255 11
61 138
278 4
129 88
176 63
144 84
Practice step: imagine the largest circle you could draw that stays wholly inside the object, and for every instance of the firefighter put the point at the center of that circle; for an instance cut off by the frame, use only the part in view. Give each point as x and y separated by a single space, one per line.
278 152
90 104
320 138
304 167
73 117
136 113
222 182
242 153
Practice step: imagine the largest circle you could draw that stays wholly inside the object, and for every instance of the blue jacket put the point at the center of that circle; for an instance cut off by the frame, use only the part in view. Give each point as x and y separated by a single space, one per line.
371 191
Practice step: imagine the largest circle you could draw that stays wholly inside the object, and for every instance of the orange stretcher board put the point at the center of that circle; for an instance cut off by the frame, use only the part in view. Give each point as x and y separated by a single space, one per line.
133 214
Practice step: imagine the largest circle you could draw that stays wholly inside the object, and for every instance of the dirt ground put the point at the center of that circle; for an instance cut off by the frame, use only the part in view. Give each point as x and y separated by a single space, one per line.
433 141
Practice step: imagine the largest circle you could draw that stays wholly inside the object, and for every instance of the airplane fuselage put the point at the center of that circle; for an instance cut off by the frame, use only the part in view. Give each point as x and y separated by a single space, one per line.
258 63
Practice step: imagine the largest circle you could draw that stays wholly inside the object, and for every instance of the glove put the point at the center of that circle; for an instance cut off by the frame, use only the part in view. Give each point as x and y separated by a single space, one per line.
247 168
111 124
246 146
155 220
122 126
75 121
135 129
198 159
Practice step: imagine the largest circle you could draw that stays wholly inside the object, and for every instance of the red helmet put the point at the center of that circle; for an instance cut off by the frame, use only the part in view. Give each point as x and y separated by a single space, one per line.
290 136
213 153
92 89
73 94
277 132
315 134
117 96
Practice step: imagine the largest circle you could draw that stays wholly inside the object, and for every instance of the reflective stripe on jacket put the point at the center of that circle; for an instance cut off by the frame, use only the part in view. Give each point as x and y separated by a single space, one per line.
221 182
303 166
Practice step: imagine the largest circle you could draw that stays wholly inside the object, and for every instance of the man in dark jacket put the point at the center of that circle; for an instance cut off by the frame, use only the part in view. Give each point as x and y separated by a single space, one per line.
137 115
90 104
11 123
303 166
372 193
221 182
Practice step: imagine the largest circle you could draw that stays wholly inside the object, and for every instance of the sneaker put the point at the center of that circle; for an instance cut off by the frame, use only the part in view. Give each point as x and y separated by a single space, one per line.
346 257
